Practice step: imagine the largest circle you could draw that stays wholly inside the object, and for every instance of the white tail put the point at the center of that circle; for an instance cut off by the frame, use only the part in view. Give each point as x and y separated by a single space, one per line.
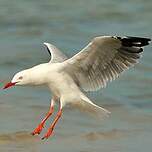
86 105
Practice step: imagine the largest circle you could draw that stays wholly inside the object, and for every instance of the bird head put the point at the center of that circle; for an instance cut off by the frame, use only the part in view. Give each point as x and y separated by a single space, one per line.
20 78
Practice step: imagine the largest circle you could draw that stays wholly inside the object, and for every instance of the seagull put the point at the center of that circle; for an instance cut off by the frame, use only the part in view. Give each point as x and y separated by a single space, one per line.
100 62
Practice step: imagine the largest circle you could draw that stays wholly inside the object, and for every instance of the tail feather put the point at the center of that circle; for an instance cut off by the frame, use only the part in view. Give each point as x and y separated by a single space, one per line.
86 105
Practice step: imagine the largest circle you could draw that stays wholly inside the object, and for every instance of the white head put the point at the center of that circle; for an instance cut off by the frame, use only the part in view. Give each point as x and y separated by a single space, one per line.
21 78
33 76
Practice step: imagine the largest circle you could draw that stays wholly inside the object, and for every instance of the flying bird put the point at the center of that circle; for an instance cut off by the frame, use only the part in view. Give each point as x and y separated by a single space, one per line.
100 62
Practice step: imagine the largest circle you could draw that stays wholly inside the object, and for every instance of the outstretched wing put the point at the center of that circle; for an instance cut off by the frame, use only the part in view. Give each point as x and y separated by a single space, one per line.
55 53
103 59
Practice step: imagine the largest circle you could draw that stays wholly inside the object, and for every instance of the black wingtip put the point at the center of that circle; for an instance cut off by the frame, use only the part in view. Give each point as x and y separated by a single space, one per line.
129 41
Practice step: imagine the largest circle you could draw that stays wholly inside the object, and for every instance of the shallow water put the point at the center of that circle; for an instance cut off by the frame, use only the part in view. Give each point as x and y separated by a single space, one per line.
24 26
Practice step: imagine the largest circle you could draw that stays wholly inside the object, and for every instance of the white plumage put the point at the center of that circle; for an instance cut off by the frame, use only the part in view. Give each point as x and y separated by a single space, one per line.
101 61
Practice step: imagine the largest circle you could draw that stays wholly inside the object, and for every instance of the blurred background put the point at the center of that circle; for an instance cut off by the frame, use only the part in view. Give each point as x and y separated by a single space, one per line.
70 25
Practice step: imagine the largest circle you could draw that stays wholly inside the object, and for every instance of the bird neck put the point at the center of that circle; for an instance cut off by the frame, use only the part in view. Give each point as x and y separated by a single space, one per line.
38 75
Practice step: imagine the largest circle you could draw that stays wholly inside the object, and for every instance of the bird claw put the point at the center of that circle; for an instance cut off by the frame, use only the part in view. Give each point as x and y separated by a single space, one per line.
43 138
38 129
48 134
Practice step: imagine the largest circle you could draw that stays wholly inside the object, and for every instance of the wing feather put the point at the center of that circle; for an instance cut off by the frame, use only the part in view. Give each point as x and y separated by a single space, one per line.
55 53
103 60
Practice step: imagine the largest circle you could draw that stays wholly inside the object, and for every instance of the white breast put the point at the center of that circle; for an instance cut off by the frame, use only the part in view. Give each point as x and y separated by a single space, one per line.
63 86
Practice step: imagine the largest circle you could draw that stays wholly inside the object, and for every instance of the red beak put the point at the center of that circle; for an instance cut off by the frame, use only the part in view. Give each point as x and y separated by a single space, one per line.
10 84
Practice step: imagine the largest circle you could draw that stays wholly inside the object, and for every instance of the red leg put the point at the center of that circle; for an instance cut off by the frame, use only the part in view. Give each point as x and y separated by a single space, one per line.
50 130
39 128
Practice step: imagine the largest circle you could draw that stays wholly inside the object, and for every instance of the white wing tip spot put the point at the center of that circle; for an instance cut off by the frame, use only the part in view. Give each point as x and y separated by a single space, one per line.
45 43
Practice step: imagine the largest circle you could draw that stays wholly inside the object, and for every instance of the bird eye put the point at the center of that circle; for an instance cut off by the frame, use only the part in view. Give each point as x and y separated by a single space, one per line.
20 78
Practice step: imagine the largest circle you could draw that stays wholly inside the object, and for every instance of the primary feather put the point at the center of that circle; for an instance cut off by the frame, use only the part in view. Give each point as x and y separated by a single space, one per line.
103 59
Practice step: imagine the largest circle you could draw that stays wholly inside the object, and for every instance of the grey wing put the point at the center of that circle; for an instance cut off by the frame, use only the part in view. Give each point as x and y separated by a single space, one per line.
55 53
103 59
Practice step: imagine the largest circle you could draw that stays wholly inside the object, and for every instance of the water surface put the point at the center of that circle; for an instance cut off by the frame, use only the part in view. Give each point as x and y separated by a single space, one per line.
70 25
